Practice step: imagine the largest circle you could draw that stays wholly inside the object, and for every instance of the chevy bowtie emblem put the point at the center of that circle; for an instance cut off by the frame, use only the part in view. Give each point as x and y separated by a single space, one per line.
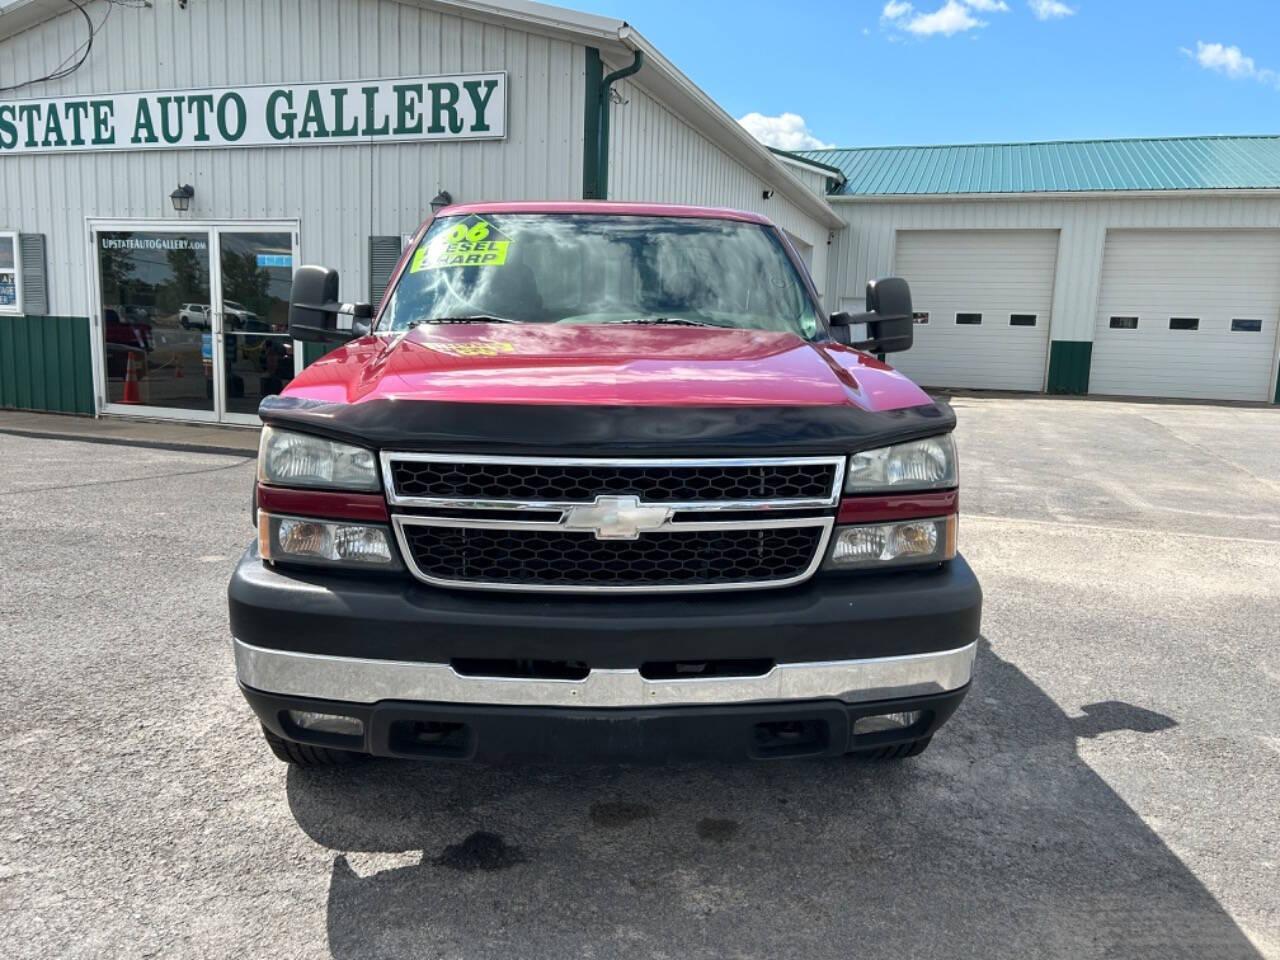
616 518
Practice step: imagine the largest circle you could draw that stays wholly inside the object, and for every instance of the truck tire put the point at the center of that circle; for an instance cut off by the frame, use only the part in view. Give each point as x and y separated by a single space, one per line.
303 755
898 751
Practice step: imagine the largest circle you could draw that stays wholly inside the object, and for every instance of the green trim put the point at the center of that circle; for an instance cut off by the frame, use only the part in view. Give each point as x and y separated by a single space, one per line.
591 128
311 351
836 173
605 112
1069 362
595 125
46 364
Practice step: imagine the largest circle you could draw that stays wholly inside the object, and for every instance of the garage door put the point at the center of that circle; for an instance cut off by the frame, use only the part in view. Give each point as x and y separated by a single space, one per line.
987 295
1187 313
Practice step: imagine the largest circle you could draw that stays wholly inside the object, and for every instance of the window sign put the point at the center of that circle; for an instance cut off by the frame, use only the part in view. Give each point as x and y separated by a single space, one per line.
10 274
156 317
470 106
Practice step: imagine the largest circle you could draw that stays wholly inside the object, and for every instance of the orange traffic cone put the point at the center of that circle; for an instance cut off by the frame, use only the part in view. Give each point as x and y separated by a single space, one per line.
177 369
130 382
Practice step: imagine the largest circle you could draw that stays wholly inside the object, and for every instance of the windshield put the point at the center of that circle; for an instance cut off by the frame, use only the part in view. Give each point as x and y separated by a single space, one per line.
572 268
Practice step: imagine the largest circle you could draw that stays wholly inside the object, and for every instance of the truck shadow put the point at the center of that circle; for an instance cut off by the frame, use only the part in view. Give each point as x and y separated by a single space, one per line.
999 841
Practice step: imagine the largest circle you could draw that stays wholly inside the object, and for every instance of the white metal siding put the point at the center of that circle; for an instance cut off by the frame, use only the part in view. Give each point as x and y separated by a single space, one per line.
1212 276
994 273
865 248
655 157
341 194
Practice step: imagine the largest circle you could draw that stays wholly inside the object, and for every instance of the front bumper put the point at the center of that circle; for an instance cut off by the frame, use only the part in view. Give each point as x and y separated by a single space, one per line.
759 731
385 651
830 617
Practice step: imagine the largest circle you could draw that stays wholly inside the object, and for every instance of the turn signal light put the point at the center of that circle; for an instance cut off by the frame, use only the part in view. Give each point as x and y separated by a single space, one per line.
331 543
881 545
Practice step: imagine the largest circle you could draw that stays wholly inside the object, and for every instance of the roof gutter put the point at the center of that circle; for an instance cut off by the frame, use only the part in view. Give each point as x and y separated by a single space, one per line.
661 79
723 130
1217 193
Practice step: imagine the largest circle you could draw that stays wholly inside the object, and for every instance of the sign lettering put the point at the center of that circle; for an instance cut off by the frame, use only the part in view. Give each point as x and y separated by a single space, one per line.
459 107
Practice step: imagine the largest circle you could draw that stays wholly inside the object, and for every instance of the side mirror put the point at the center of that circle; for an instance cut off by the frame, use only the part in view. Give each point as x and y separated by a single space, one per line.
889 322
314 308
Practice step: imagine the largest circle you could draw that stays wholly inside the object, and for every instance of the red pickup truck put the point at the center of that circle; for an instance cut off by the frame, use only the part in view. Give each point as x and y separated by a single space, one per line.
603 480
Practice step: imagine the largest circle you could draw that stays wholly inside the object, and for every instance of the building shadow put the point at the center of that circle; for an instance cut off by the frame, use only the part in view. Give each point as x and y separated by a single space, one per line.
997 842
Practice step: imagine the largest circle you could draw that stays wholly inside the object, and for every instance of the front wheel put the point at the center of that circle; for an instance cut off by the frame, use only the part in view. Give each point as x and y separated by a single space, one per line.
305 755
897 751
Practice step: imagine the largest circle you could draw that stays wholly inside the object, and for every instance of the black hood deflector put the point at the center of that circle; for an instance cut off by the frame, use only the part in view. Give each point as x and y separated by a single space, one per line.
607 431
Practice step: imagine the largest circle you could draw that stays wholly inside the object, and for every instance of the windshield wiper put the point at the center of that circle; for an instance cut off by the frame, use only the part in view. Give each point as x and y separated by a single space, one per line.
671 321
467 320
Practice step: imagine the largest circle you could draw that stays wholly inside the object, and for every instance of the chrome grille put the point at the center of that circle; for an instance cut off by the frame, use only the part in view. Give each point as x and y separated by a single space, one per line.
579 482
545 524
663 559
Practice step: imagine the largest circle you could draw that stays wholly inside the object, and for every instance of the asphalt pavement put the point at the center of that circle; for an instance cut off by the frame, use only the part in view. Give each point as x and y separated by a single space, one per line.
1110 787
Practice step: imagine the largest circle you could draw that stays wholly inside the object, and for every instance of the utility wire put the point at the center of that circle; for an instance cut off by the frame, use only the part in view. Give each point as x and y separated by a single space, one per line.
62 70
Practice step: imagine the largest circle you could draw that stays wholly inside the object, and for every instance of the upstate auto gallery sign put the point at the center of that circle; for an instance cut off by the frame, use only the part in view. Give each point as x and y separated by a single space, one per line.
458 107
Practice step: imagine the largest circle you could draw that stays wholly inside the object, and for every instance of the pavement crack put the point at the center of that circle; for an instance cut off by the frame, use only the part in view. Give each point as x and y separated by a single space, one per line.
107 483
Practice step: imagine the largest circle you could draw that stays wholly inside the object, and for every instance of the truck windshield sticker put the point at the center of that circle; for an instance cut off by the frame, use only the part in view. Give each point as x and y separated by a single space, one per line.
472 242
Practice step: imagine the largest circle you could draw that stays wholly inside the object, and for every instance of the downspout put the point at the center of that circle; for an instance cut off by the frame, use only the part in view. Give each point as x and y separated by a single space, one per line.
595 145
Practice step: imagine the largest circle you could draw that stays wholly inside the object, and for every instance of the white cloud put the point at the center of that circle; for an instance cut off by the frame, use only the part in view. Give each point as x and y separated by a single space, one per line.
787 131
1229 60
954 16
1232 61
949 19
1050 9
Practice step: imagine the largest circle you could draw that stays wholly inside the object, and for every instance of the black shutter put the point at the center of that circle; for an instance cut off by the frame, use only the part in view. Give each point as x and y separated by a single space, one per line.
384 254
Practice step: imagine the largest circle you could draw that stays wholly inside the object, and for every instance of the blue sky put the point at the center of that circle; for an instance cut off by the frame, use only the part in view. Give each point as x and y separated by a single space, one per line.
957 71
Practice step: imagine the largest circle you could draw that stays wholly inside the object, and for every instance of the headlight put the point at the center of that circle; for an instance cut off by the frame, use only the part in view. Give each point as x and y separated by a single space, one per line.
916 465
881 545
328 542
300 460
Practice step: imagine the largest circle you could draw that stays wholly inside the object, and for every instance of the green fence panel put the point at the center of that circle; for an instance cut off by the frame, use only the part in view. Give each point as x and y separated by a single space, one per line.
46 364
1069 362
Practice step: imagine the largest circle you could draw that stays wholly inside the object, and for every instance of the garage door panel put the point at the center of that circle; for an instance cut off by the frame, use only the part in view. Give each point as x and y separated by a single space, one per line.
996 273
1214 276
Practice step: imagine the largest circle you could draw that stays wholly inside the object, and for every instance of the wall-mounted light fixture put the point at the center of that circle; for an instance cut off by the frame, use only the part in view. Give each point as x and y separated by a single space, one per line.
766 194
182 197
441 200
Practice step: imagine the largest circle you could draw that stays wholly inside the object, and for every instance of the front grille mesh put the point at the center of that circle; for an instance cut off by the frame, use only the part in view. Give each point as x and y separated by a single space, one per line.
662 559
657 483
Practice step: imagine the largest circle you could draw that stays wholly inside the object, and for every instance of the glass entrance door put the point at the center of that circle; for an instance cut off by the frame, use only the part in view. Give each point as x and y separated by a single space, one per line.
154 321
255 272
193 318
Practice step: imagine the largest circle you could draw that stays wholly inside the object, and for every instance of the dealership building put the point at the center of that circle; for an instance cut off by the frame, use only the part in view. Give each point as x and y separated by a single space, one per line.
158 185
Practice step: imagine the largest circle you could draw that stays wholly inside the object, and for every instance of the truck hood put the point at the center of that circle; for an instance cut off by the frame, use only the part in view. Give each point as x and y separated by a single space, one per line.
604 365
605 391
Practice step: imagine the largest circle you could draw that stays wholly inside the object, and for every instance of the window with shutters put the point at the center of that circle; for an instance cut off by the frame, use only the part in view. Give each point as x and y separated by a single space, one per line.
10 274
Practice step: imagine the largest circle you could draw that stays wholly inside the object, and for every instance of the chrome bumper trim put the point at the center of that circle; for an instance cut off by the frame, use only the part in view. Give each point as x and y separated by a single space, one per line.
357 680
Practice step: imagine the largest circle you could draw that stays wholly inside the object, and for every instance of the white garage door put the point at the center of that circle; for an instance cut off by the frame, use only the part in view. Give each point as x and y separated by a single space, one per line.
987 294
1187 313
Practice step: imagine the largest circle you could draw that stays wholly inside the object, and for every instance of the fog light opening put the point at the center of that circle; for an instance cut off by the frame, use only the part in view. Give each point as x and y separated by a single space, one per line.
886 722
790 738
327 723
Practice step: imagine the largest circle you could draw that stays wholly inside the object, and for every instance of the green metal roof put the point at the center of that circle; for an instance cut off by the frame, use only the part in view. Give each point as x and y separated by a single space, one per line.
1067 166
